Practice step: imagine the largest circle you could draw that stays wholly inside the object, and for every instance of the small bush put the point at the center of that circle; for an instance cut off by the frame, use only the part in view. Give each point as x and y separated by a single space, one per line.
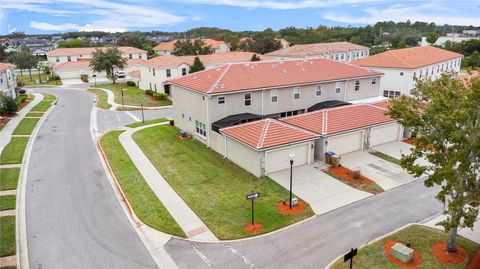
84 77
54 77
160 96
21 98
356 174
149 92
131 83
8 105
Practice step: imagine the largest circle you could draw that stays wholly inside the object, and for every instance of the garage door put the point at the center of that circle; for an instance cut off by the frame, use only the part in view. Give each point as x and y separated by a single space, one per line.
68 74
345 143
276 160
384 134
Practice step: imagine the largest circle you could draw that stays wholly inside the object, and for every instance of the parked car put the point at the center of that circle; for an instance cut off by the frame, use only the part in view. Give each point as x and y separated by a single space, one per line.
120 74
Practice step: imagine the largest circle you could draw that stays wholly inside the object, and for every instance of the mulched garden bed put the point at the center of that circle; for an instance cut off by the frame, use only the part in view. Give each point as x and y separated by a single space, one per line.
440 252
285 208
415 262
257 227
475 261
346 174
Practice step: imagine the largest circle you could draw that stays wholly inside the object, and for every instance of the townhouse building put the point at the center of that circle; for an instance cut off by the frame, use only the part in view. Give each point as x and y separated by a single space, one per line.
339 51
8 81
63 55
403 67
166 48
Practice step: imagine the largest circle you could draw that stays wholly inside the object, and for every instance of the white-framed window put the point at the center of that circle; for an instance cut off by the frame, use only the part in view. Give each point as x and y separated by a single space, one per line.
153 70
139 56
357 85
338 87
1 80
150 86
374 81
184 71
391 94
130 56
318 90
57 59
168 73
401 74
296 93
248 99
336 56
274 95
155 87
342 56
69 58
200 128
221 100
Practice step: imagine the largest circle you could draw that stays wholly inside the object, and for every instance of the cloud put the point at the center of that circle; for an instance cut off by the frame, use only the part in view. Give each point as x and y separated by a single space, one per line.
279 5
45 26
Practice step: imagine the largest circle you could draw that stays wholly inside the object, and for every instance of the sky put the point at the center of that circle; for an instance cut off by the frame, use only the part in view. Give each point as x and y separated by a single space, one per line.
58 16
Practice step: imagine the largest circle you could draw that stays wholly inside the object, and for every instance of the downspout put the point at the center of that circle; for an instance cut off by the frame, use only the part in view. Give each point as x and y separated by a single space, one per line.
208 119
263 90
225 146
345 91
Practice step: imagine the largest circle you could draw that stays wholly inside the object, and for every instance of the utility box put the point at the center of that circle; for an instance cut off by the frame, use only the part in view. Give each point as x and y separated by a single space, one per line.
294 201
402 252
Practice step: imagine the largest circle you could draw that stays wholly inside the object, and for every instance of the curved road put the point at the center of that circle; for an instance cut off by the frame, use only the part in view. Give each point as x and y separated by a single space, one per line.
74 219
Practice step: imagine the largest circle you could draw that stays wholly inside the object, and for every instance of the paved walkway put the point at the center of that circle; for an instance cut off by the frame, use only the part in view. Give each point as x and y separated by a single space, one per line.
323 192
114 105
8 192
180 211
396 149
17 165
7 131
465 232
8 261
6 213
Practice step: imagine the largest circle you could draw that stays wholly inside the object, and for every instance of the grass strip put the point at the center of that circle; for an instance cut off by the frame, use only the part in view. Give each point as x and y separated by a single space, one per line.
9 178
7 202
13 152
7 236
101 98
26 126
147 122
386 157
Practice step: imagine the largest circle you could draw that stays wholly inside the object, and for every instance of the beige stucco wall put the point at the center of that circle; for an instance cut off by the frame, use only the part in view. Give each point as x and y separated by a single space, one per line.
189 106
148 78
73 57
245 157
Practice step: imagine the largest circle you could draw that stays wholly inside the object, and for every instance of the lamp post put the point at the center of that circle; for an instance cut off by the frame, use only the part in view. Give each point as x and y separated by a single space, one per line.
123 103
291 157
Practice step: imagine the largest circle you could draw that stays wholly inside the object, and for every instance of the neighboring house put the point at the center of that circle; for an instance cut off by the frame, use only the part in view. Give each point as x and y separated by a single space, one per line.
63 55
340 51
38 46
210 100
442 39
162 68
8 80
402 67
166 48
285 44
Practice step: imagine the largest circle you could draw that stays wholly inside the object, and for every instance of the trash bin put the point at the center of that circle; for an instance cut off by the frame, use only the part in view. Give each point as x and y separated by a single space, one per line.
335 160
328 157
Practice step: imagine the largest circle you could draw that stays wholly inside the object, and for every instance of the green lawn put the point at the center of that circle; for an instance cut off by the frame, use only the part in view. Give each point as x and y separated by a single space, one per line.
26 126
386 157
145 203
42 106
101 98
25 78
34 114
13 152
49 97
7 202
422 238
133 95
7 236
214 187
9 178
138 124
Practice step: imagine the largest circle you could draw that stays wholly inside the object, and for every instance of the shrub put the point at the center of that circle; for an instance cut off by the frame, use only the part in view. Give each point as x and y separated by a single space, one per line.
8 105
21 98
84 77
160 96
149 92
46 70
54 77
131 83
356 174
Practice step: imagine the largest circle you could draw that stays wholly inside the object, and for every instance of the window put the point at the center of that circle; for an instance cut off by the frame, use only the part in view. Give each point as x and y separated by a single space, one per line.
200 128
438 68
336 56
248 99
357 85
391 94
153 70
221 100
1 80
69 58
338 87
274 95
374 81
150 86
139 56
401 74
296 93
155 87
342 56
169 73
130 56
184 71
57 59
318 90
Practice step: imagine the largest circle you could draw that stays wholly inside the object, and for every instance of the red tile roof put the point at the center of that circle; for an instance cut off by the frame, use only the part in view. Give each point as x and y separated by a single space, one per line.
340 119
270 74
211 59
408 58
88 51
315 49
170 45
267 133
5 66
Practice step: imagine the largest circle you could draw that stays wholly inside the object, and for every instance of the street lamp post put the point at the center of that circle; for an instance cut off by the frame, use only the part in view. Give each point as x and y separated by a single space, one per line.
291 157
123 103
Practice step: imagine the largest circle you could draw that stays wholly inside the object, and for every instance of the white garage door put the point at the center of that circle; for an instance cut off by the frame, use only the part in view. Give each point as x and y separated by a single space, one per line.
384 134
276 160
345 143
68 74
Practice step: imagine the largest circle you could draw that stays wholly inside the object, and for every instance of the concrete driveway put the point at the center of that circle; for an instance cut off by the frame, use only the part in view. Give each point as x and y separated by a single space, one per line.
72 81
323 192
386 174
396 149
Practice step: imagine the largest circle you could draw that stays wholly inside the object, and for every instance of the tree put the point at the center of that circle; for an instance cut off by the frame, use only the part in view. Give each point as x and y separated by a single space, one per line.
262 42
3 54
432 38
74 43
132 39
187 47
23 59
8 105
473 60
196 66
107 60
445 117
255 58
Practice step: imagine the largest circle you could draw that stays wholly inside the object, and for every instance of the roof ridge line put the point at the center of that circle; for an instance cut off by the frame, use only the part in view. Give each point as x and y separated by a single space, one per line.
288 125
219 78
263 134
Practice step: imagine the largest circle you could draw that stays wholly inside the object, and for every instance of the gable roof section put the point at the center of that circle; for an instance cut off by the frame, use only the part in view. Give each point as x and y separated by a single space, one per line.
267 133
315 49
340 119
5 66
270 74
408 58
210 59
89 50
170 45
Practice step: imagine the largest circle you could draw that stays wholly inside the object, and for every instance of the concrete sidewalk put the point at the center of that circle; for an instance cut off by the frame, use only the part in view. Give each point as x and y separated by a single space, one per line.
114 105
180 211
465 232
7 131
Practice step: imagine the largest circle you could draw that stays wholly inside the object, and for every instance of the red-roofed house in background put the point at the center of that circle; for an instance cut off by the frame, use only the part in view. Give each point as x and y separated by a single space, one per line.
403 66
8 80
166 48
339 51
210 100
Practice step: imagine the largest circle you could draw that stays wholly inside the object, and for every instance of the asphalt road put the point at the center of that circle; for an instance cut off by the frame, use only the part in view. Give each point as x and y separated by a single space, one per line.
73 218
